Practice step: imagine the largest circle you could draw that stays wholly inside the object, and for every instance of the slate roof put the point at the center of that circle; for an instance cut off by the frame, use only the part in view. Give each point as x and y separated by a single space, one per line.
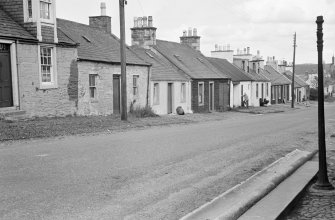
231 70
190 61
9 28
94 44
275 77
161 69
260 77
298 82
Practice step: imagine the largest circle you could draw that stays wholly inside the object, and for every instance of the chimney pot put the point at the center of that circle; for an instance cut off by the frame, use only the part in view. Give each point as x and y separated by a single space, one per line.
228 47
216 47
248 50
184 33
190 32
258 52
103 8
139 22
135 21
274 58
145 21
245 50
195 32
150 21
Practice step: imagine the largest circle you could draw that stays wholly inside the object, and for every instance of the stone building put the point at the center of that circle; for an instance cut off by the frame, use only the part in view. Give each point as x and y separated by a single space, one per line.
54 67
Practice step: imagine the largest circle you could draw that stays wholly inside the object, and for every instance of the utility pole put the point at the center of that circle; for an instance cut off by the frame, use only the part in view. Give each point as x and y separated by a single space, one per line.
322 183
123 62
292 88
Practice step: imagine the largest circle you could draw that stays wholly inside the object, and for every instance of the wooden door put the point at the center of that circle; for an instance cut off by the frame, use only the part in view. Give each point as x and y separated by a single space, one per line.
116 94
6 93
169 98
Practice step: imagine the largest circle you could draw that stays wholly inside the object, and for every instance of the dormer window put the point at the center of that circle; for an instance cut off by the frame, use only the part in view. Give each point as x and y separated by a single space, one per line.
45 9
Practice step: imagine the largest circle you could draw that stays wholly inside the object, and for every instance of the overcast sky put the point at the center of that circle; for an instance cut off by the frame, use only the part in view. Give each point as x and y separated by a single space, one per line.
265 25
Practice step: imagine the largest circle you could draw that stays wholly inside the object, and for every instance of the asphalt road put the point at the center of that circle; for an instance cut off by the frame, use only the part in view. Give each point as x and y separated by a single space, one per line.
154 173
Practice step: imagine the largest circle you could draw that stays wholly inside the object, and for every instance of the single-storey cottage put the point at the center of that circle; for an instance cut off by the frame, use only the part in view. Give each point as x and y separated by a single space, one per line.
209 88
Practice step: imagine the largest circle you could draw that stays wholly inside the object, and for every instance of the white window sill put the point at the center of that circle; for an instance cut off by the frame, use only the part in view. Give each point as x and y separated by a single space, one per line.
48 86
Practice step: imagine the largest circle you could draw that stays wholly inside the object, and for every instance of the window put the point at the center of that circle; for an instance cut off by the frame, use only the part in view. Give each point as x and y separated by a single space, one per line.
93 85
135 84
183 93
46 65
254 66
256 90
267 89
156 93
45 9
30 9
272 92
201 93
243 65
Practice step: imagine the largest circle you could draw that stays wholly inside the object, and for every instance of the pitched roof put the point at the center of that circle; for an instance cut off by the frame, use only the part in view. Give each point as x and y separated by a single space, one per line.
231 70
94 44
161 69
275 77
188 60
298 82
9 28
259 76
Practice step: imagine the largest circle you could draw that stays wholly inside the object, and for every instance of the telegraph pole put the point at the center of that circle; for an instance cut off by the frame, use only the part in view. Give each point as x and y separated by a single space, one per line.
292 88
322 183
123 62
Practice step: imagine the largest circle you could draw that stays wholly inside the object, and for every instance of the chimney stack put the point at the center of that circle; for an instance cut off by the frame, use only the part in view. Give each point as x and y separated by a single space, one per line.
228 46
191 39
143 34
102 22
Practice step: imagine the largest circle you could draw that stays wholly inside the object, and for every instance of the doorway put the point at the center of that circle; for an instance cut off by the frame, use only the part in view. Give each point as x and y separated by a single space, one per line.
116 94
6 92
211 96
169 100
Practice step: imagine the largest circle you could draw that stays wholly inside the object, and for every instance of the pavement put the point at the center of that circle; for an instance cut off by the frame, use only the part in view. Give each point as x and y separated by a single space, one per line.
316 204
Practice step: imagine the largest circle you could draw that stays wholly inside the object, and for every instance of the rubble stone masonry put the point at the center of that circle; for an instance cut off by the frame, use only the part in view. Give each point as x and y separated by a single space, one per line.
102 104
60 101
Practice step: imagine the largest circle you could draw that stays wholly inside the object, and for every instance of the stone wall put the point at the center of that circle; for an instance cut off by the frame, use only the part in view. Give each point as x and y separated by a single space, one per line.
103 103
60 101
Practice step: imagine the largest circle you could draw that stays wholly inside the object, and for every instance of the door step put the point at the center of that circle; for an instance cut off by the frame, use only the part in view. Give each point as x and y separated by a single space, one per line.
12 114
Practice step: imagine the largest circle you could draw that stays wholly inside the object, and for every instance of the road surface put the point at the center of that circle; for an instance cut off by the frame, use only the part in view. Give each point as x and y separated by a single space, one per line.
154 173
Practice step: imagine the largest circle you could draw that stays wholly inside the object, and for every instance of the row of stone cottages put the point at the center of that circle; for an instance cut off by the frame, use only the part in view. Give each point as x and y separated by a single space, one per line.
55 67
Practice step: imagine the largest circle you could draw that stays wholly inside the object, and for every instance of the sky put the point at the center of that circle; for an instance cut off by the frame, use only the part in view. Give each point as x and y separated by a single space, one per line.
265 25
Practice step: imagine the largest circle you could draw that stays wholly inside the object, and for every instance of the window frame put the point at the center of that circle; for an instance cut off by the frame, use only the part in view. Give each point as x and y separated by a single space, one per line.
156 93
257 91
135 85
27 18
53 67
50 8
94 87
201 101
